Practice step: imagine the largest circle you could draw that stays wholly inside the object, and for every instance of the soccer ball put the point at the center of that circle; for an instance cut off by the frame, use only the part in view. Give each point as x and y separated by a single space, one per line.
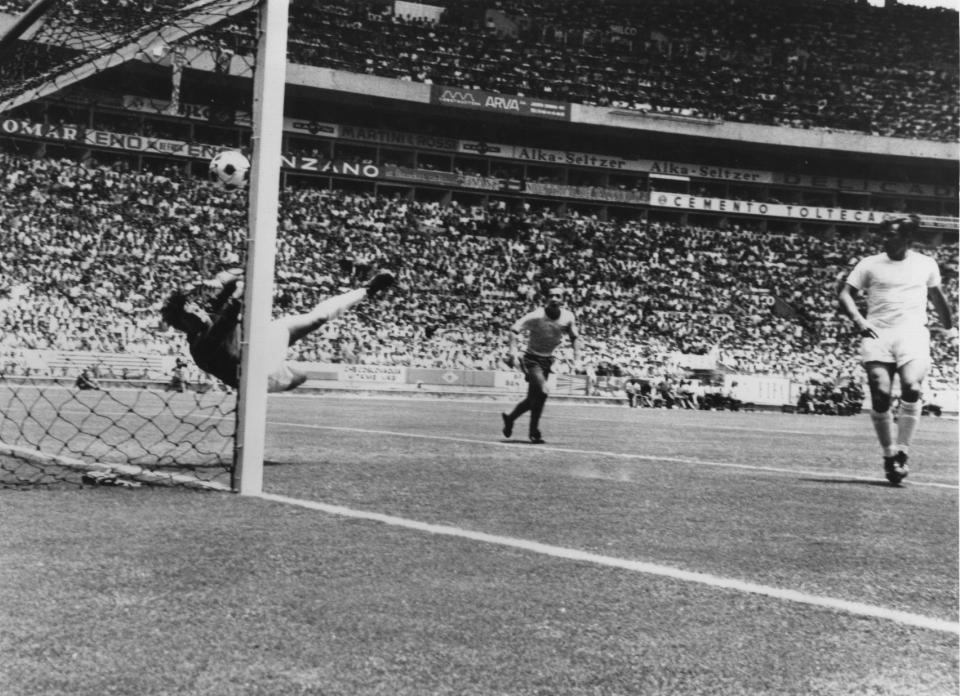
230 169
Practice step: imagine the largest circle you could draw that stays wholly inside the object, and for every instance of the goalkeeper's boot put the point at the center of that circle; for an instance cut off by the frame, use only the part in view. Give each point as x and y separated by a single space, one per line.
892 468
380 282
536 438
507 425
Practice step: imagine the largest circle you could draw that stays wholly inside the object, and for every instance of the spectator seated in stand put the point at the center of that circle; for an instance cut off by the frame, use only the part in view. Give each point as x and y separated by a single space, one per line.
805 401
631 387
666 394
852 393
687 395
932 408
87 379
178 378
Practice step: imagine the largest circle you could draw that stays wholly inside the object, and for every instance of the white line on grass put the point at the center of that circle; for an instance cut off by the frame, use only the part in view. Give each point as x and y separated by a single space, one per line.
715 581
622 455
702 425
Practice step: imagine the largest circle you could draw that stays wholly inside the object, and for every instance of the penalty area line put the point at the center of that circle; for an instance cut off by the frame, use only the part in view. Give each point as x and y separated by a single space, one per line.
705 579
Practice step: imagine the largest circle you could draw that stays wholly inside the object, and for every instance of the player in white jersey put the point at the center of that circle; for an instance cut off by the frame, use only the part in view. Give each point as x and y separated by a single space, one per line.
895 340
546 327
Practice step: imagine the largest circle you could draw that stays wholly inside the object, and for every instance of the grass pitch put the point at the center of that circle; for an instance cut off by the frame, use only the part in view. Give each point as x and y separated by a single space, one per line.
167 591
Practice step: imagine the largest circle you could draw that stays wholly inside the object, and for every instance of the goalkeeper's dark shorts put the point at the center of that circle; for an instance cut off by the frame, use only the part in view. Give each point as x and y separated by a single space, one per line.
531 361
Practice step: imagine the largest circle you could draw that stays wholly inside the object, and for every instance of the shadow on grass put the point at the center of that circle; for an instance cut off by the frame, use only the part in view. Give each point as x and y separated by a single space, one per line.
859 482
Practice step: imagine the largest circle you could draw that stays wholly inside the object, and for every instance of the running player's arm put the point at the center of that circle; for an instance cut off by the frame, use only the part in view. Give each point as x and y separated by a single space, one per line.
941 305
848 296
848 305
937 298
574 333
515 335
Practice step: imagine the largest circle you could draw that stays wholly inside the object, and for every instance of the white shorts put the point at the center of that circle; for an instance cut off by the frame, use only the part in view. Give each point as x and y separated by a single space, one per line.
898 345
280 375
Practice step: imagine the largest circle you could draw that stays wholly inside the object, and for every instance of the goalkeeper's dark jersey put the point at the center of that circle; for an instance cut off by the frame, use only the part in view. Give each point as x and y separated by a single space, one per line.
216 350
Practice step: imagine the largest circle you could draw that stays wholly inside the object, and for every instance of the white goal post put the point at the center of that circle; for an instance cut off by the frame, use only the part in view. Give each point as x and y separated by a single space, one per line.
266 140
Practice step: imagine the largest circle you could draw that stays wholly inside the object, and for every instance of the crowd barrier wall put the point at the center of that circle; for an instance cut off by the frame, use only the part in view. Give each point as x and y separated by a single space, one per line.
500 380
760 390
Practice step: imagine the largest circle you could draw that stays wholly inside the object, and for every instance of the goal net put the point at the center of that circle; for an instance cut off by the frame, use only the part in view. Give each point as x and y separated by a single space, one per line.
109 115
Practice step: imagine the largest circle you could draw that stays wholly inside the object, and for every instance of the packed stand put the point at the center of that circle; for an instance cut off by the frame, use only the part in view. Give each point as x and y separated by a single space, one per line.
92 250
790 63
795 63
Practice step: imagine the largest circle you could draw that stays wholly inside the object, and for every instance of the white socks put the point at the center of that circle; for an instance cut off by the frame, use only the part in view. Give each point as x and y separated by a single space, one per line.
907 423
883 424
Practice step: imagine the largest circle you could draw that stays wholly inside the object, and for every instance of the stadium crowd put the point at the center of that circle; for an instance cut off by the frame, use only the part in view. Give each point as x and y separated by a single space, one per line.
90 250
829 64
790 63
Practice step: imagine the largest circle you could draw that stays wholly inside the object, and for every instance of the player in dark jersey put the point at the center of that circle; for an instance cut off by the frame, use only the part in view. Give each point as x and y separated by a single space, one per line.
546 327
213 334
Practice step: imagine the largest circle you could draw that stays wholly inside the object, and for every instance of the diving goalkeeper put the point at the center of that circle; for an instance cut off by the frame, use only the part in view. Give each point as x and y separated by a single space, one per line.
213 334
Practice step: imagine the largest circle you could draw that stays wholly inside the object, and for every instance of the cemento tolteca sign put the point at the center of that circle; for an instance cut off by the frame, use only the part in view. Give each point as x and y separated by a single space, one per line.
681 201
